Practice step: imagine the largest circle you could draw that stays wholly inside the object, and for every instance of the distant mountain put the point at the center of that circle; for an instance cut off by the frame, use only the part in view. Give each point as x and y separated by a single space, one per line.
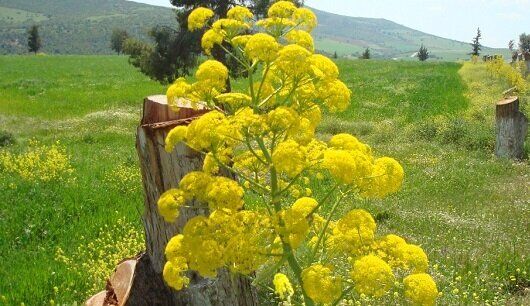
85 26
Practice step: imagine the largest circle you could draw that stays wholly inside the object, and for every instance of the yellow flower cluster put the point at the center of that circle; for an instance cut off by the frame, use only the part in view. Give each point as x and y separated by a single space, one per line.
40 163
282 286
372 276
235 240
320 284
219 192
198 18
265 136
125 178
95 260
420 289
513 75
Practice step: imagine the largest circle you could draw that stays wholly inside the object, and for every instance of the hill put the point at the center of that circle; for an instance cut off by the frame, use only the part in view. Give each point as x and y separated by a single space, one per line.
84 27
351 35
76 26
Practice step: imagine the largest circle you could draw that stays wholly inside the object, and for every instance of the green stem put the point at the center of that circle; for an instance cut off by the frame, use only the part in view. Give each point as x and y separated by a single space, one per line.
287 250
324 229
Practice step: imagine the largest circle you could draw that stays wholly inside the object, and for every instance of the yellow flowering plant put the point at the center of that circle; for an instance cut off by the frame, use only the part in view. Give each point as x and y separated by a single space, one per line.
264 137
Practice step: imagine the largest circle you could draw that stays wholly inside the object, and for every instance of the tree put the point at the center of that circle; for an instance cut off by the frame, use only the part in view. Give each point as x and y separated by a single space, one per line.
423 53
511 47
179 49
34 40
477 47
524 46
335 55
366 54
117 39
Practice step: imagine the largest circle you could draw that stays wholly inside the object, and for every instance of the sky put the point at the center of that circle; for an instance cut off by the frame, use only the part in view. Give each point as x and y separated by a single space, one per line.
499 20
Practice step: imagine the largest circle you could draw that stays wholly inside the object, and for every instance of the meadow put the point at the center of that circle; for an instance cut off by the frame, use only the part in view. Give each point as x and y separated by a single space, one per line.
60 237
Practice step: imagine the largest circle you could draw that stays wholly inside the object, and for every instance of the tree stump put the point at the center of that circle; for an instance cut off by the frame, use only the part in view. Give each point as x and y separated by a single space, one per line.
512 126
162 171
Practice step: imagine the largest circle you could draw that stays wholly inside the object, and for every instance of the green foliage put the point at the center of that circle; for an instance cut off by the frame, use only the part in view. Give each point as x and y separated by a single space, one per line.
475 45
366 54
423 53
117 40
6 138
34 40
524 42
172 55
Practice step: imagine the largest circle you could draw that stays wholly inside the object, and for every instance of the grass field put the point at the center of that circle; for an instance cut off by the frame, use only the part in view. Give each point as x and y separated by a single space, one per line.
466 208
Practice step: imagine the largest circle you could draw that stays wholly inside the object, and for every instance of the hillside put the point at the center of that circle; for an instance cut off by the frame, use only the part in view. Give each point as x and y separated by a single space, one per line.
84 27
76 26
351 35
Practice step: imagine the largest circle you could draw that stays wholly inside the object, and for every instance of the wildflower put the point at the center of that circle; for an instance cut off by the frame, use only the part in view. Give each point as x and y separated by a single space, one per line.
240 13
347 167
335 95
320 284
305 19
289 158
198 18
301 38
240 41
282 9
175 136
214 73
323 67
262 47
224 193
349 143
194 185
178 90
282 286
169 204
230 27
353 231
372 276
211 38
174 273
420 289
234 100
386 178
305 206
283 118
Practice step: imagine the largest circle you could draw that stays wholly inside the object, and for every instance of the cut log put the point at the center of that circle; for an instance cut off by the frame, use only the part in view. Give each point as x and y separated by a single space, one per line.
512 126
162 171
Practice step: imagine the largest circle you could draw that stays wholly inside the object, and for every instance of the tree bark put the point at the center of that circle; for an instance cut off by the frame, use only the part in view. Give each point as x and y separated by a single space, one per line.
512 126
162 171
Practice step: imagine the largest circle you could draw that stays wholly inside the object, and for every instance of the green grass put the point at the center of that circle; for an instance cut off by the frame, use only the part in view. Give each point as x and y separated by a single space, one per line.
467 209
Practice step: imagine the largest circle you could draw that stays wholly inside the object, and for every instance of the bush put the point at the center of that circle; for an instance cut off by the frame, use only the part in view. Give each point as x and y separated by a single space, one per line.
6 139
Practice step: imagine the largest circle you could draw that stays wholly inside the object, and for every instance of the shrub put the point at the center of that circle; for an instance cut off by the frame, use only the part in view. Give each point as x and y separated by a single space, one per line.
6 139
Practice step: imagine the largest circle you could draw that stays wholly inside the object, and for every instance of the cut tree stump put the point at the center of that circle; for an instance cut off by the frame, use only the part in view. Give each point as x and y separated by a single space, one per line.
162 171
512 126
139 281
